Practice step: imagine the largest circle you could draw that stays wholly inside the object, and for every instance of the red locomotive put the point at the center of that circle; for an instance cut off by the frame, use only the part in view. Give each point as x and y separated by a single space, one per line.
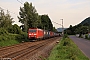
35 33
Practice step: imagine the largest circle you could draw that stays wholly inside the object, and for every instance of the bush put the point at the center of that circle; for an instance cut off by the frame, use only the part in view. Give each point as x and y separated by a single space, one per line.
66 43
3 31
12 36
65 36
86 36
15 29
7 40
22 37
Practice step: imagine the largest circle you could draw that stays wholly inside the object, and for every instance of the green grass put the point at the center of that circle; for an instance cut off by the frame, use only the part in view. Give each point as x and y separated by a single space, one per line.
11 39
66 50
7 40
8 43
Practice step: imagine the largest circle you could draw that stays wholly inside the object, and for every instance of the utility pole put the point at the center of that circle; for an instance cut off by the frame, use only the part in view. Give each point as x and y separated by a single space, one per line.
61 25
62 28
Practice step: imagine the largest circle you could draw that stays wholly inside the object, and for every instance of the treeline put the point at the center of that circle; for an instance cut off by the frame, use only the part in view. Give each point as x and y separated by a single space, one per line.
9 34
82 28
6 23
30 18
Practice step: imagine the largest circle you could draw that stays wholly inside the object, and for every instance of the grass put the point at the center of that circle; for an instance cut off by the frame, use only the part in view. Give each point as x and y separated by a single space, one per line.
66 50
8 43
7 40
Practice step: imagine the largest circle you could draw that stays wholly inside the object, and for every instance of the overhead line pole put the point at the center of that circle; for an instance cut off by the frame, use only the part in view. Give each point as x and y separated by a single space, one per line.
61 25
62 28
57 23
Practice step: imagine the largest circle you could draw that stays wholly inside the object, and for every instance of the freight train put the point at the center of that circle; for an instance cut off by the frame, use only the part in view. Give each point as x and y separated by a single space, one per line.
37 34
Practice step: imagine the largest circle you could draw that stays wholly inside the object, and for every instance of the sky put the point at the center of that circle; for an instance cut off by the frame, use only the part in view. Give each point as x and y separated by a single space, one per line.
71 11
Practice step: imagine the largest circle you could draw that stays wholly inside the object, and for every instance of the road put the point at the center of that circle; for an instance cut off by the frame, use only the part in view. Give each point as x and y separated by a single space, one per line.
83 44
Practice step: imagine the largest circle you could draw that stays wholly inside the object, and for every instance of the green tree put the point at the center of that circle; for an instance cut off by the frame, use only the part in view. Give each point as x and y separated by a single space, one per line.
70 30
46 22
5 19
54 29
28 16
15 29
39 22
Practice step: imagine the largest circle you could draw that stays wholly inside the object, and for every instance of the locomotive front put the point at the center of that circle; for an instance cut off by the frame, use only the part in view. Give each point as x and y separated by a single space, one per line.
32 33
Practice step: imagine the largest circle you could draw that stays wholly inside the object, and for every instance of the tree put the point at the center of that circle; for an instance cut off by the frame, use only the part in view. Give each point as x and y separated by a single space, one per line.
46 22
70 30
15 29
39 22
54 29
5 19
28 16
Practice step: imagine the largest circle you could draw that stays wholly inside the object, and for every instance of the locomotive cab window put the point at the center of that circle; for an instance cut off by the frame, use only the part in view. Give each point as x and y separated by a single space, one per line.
32 30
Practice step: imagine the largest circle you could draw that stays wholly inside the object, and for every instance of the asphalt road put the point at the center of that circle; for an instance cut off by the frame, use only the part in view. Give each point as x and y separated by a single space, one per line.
83 44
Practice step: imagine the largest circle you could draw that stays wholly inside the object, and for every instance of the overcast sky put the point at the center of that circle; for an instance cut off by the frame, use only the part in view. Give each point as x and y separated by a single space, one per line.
71 11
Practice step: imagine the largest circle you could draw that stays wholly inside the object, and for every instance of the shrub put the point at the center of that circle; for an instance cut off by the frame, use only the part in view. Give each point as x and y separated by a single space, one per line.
65 36
22 37
86 36
15 29
3 31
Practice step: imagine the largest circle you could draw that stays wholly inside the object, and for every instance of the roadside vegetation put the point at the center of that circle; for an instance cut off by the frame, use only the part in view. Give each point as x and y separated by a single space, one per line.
87 36
66 50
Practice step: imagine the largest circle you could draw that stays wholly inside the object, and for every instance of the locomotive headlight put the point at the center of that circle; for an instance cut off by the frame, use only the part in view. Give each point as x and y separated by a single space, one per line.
34 34
29 34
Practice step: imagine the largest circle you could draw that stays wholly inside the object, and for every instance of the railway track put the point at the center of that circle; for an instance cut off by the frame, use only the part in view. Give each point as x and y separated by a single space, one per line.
36 49
30 50
43 50
15 48
8 47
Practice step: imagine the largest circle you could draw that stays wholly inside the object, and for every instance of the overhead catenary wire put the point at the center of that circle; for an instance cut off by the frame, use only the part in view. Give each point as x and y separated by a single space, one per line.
20 2
56 23
52 21
4 9
8 11
11 11
25 22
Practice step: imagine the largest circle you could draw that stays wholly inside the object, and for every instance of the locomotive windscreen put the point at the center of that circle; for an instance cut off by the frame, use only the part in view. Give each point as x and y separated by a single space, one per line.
32 31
